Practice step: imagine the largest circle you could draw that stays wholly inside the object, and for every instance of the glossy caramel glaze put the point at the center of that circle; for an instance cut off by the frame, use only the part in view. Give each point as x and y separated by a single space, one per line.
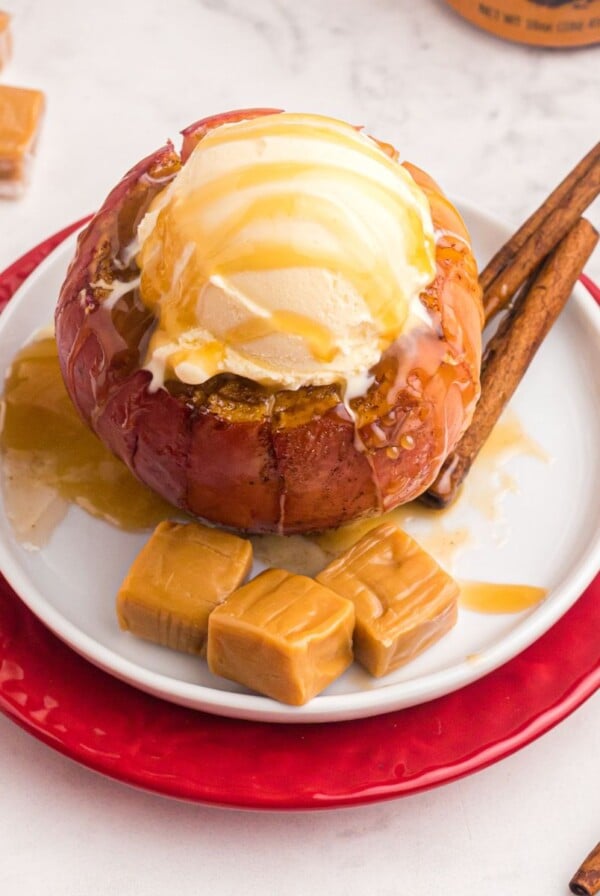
282 635
235 453
181 574
21 113
404 601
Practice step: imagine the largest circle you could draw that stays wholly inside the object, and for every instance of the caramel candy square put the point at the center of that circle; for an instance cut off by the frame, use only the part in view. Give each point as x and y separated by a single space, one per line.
282 635
5 39
404 601
180 575
20 118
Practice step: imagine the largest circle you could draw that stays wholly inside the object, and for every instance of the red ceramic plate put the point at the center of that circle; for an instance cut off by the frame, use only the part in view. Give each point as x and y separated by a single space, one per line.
115 729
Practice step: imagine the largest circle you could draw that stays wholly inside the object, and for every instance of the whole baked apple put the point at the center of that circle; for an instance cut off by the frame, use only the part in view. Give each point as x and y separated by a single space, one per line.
277 329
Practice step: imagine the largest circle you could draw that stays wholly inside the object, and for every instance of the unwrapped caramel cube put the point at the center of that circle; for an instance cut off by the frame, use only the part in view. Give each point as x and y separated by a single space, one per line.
5 39
282 635
181 574
404 601
20 118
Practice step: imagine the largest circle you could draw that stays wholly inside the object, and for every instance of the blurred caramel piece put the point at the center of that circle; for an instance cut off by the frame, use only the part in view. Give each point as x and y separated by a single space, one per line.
404 601
282 635
177 579
20 117
5 39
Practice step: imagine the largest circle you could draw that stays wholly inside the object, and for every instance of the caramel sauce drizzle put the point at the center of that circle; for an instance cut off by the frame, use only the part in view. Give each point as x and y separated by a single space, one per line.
323 128
320 339
227 246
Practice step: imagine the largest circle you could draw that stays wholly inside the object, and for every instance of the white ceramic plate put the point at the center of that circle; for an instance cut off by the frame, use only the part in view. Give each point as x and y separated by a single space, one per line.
549 535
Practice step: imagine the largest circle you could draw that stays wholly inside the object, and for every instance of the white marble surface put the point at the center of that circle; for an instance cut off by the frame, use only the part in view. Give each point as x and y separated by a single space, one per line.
496 124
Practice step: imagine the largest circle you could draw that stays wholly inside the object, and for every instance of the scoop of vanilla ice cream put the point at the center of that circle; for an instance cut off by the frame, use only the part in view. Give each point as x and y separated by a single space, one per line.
289 249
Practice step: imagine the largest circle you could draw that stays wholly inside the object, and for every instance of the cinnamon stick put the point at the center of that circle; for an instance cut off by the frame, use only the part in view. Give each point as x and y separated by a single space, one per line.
522 254
586 881
512 349
539 244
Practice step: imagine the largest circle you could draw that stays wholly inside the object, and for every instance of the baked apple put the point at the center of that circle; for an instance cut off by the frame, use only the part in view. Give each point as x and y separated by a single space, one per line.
277 329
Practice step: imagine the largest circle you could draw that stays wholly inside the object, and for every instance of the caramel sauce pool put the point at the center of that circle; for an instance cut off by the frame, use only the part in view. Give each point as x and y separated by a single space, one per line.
486 597
488 482
50 459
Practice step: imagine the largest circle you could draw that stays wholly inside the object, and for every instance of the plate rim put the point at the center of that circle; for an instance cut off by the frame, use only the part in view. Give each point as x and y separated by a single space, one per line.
570 699
474 754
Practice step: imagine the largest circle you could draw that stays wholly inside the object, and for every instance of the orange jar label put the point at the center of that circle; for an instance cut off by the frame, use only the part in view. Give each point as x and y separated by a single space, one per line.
550 23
